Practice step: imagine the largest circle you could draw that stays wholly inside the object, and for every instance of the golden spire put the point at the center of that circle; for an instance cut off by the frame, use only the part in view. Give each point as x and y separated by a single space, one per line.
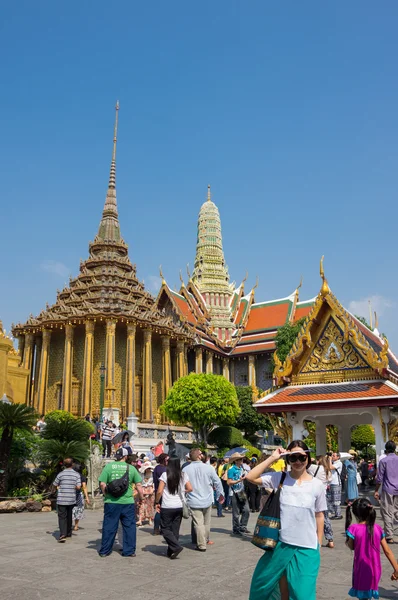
370 314
109 226
208 193
161 275
188 272
112 175
325 287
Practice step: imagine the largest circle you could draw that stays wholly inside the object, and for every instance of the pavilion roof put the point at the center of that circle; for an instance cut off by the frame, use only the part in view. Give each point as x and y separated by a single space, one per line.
298 397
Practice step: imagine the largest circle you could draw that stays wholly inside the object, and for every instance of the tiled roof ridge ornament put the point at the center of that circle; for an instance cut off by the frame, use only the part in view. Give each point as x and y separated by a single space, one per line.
325 289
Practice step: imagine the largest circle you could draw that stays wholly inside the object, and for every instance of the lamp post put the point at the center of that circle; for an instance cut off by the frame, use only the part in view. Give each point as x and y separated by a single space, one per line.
102 389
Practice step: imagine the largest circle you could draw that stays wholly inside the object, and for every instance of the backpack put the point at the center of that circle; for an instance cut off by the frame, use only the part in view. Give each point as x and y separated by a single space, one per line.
343 474
118 487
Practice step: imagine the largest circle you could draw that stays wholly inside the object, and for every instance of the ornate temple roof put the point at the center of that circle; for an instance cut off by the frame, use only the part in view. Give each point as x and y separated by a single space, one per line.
335 358
107 285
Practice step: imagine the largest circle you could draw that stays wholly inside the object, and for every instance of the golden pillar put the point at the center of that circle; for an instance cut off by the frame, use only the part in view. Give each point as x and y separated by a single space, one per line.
252 370
21 346
110 364
43 371
38 342
146 414
185 359
130 369
166 365
28 351
209 362
180 360
67 373
198 360
232 371
88 367
225 368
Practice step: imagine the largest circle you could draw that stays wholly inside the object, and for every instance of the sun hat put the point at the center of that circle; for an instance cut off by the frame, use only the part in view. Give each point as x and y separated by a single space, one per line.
121 453
146 465
235 456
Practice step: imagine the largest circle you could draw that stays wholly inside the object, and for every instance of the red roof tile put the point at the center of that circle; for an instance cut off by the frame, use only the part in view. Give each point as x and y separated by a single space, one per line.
260 347
305 394
184 307
268 316
301 311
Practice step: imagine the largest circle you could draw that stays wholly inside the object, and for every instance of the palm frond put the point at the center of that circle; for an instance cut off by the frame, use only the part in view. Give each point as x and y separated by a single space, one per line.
17 417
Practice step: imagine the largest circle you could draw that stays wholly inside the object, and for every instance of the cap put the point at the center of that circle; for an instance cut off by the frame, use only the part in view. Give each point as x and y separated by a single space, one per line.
121 453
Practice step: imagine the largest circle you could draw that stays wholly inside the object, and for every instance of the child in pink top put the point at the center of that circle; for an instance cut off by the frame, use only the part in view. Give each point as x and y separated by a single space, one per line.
365 538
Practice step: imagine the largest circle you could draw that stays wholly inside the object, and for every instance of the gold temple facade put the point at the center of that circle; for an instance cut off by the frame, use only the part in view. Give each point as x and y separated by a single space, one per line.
103 322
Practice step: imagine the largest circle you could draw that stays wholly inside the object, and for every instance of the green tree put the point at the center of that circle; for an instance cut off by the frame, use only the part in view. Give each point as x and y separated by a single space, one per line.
226 437
65 436
54 451
362 436
202 401
286 337
13 418
249 421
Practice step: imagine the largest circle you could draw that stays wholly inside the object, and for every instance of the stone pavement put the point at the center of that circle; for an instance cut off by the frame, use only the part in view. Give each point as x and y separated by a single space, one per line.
34 567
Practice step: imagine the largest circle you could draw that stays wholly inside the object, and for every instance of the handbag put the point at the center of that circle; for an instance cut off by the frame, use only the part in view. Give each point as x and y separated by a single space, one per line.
186 513
266 532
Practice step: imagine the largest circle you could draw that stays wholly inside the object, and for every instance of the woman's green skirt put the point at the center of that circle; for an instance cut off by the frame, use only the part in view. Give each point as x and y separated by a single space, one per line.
300 565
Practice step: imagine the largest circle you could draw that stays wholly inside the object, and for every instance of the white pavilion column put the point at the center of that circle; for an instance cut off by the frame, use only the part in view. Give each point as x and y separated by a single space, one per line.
344 437
320 437
380 435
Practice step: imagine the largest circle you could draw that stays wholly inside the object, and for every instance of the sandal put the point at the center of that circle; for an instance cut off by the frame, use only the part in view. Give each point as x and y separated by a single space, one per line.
330 545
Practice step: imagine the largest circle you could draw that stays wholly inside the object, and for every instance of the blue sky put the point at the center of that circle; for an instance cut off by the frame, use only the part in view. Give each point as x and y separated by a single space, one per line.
288 109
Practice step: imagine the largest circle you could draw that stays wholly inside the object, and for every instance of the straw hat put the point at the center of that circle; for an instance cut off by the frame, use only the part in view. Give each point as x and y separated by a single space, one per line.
235 456
146 465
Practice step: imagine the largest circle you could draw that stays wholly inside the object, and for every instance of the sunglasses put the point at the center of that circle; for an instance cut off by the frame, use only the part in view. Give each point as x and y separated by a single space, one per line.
295 457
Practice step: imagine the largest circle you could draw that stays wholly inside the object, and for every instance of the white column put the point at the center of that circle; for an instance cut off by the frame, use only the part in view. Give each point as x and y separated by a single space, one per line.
380 443
344 437
320 438
297 425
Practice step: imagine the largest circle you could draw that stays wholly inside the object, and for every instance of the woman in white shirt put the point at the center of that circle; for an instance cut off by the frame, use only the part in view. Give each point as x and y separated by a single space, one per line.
294 563
173 484
323 472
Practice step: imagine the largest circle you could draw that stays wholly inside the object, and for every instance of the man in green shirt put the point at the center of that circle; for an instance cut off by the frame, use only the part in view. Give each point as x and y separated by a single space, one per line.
121 508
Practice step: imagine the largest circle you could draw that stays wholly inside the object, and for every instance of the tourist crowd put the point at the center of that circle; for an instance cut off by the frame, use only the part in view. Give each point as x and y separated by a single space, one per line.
161 490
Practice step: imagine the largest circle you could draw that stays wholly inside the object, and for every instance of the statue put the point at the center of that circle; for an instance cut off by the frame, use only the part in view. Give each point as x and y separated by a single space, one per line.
171 445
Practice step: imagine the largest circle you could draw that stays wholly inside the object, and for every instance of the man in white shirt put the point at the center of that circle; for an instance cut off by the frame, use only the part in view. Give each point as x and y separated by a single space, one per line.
334 492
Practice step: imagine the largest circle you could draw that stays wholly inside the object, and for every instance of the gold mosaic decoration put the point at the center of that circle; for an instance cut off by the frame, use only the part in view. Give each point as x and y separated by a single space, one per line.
332 353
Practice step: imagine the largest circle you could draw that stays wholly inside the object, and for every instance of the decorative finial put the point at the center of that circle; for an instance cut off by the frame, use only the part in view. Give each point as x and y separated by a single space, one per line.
370 314
325 287
188 272
300 284
256 284
245 278
161 275
208 193
376 320
181 279
112 176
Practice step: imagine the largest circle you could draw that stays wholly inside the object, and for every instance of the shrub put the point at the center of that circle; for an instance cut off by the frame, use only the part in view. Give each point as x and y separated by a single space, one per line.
251 449
226 437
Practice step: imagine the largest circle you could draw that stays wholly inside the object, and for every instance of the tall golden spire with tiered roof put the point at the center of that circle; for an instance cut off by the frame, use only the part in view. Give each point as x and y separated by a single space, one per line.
109 228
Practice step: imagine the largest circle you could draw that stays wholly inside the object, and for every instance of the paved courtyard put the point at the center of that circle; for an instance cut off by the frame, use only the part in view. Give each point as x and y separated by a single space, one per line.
34 566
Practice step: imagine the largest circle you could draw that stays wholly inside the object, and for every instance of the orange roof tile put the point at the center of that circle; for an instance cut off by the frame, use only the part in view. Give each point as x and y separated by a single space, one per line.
184 307
260 347
268 316
328 393
301 311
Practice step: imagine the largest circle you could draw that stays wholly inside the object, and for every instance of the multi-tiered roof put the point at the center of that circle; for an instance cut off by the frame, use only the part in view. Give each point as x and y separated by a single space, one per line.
223 317
107 285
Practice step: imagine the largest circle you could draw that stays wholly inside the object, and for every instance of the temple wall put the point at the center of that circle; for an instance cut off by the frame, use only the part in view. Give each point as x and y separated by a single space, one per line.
263 372
241 372
120 366
55 369
99 358
78 361
156 376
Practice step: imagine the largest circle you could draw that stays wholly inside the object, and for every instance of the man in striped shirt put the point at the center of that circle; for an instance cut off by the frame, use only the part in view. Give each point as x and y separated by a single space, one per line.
66 482
107 433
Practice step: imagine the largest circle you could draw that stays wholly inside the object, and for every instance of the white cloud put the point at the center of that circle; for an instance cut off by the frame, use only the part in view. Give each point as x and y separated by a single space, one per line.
379 305
55 267
153 284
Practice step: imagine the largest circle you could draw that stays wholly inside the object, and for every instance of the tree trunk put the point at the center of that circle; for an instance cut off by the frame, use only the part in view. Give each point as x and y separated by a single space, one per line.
5 450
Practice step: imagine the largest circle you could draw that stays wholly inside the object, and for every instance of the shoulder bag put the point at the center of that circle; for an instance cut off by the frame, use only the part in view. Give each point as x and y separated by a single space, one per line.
266 532
186 513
